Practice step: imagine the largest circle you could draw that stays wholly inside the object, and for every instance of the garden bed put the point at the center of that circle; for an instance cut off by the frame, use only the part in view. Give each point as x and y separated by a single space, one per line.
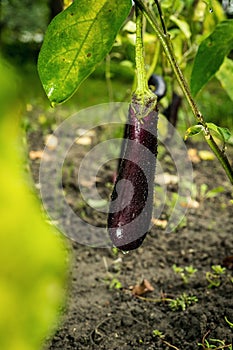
184 308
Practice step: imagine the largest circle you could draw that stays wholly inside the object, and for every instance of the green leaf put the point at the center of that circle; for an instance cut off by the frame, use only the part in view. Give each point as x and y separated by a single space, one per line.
193 130
211 54
224 75
222 133
76 41
214 192
184 26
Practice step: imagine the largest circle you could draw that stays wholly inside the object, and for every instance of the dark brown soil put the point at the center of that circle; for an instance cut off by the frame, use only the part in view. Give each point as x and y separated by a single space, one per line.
102 312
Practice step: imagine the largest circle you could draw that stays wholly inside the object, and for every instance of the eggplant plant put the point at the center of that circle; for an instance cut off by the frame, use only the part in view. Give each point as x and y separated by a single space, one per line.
80 37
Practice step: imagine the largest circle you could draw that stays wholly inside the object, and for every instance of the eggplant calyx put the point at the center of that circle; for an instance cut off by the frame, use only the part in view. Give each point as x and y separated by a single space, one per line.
143 106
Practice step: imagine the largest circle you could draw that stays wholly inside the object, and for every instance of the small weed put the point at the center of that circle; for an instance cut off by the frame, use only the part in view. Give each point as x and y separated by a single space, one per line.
183 302
157 334
115 251
115 284
203 192
215 278
112 281
228 322
218 269
212 343
184 272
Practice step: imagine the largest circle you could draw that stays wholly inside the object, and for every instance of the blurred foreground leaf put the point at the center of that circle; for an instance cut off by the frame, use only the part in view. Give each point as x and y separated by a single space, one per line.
32 257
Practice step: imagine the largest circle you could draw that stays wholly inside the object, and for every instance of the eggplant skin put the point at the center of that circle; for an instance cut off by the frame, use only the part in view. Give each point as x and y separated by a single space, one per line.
131 202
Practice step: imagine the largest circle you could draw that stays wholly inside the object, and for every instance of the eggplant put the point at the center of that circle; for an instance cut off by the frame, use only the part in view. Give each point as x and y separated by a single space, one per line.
131 203
157 85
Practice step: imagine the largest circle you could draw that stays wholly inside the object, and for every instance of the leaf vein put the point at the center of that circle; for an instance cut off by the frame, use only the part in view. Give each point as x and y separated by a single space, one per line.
86 36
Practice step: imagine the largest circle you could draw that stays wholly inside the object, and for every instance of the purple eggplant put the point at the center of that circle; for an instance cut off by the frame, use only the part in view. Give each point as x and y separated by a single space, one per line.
157 86
131 203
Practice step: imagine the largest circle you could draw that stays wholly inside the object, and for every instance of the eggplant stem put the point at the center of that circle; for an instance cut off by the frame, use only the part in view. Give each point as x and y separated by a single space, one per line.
142 92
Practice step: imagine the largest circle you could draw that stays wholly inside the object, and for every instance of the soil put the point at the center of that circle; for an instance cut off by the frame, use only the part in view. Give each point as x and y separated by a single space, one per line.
102 312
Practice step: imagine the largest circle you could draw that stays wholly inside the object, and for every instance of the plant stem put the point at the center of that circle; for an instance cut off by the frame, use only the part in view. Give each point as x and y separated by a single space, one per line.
144 100
165 41
154 300
167 46
220 155
142 85
169 345
108 77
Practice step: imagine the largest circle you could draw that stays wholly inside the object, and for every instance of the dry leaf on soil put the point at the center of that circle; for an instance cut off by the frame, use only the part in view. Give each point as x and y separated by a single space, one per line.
142 288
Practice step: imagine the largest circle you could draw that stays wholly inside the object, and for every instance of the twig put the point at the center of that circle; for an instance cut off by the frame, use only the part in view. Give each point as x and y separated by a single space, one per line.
96 331
170 345
153 300
161 16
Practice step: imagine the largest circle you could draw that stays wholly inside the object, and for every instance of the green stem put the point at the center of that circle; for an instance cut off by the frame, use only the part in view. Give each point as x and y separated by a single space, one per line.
142 89
165 41
221 156
144 99
108 77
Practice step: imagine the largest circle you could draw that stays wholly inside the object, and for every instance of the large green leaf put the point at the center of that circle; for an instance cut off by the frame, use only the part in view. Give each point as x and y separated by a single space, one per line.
225 76
76 41
211 54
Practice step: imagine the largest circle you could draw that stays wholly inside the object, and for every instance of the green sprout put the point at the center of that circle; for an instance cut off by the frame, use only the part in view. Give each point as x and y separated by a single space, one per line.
214 278
216 344
115 284
218 269
228 322
115 251
183 302
184 272
157 333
